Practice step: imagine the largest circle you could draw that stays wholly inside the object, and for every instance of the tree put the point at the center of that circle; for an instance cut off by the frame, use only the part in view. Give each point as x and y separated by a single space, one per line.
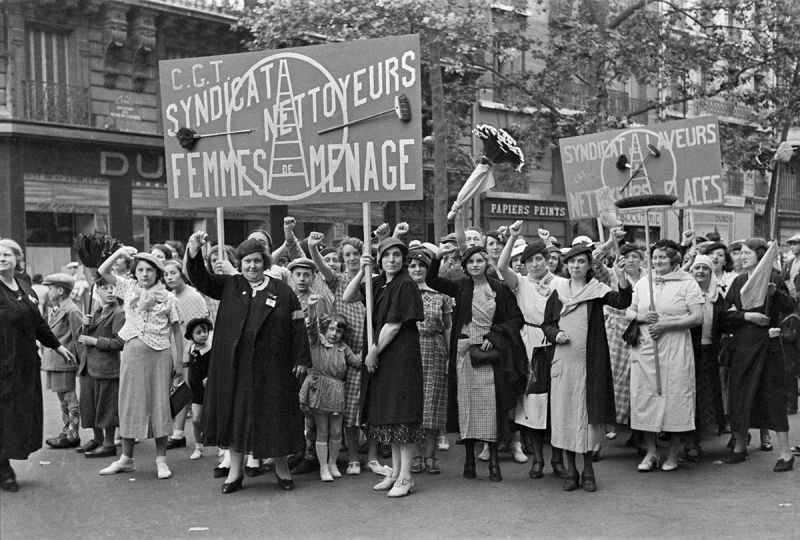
454 35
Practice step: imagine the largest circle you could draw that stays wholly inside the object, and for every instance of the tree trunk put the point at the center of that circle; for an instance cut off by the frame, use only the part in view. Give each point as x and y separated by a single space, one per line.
440 189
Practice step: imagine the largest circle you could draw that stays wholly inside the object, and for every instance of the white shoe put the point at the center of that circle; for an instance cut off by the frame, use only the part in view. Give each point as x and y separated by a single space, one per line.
325 474
442 443
385 484
354 467
401 488
484 455
334 470
163 470
197 454
118 467
377 468
517 453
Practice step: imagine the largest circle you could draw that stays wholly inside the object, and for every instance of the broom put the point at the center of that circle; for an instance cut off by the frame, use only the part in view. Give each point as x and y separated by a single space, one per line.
646 203
92 250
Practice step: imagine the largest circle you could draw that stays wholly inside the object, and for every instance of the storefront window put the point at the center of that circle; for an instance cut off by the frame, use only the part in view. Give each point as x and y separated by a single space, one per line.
55 228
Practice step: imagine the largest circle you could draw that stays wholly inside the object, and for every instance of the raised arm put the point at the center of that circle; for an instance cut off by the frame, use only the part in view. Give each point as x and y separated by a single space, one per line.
209 284
105 268
351 292
432 278
460 223
504 262
312 324
314 240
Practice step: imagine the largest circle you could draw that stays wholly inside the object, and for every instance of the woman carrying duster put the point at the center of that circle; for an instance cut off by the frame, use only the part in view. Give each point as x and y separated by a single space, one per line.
487 365
581 388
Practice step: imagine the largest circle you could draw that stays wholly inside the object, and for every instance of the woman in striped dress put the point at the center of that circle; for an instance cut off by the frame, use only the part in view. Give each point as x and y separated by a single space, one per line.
434 334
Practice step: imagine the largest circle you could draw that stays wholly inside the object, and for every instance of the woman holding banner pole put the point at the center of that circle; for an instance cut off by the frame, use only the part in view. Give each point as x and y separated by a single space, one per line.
754 306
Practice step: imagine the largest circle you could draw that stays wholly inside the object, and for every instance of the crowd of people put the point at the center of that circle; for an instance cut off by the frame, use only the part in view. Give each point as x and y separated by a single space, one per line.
512 343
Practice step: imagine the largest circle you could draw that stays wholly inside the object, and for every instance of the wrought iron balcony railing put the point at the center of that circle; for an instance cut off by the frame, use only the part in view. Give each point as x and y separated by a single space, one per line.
55 103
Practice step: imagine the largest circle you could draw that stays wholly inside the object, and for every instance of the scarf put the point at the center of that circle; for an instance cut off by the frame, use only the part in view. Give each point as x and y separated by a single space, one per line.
145 299
591 291
676 275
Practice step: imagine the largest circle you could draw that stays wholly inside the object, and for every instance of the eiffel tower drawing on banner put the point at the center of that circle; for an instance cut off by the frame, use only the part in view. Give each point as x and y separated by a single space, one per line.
287 158
639 182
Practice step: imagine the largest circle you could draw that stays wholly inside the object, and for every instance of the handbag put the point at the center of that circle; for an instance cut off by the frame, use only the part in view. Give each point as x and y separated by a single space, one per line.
480 357
631 334
539 378
790 329
179 396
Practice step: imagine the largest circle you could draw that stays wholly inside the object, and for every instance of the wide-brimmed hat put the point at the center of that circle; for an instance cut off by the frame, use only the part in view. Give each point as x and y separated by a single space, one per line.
387 243
191 325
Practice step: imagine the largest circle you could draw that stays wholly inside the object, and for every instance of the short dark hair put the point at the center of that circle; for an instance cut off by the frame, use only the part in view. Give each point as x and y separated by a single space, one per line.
671 249
163 248
757 245
326 318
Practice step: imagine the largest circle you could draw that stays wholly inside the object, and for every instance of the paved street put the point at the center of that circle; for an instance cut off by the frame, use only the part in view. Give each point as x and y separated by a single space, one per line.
62 496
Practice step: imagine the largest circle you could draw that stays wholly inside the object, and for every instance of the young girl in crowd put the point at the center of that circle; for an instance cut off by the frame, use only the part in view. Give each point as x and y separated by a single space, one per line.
322 392
198 332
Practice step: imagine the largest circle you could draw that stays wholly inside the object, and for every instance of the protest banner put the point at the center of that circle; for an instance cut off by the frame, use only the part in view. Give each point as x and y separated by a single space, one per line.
680 158
290 126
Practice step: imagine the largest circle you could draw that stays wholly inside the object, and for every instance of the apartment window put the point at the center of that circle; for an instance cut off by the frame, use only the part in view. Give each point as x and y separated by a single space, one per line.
48 56
56 228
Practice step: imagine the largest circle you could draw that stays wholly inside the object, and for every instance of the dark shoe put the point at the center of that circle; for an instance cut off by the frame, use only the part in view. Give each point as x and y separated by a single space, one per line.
469 470
88 447
735 457
306 466
231 487
782 465
766 446
588 483
596 456
62 441
9 484
494 473
537 469
220 472
253 471
571 483
285 484
694 454
176 443
103 451
558 470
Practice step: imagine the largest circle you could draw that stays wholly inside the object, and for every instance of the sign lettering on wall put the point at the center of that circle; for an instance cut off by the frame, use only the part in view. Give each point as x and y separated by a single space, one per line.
517 209
284 100
679 158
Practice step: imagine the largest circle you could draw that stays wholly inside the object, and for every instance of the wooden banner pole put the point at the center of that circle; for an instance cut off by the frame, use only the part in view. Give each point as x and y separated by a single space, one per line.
221 233
368 274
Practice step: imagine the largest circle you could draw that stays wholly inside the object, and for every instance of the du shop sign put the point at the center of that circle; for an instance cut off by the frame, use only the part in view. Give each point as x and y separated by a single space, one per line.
293 126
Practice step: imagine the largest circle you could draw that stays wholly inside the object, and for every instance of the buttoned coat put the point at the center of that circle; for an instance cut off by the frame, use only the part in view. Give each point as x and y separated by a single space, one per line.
102 360
279 342
65 323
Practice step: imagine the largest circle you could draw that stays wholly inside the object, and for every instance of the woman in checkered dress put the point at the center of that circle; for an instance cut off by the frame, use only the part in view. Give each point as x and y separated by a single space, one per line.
434 333
481 392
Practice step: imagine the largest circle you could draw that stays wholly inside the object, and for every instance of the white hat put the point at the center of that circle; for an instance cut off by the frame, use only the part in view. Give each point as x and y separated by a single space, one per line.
795 238
585 240
519 246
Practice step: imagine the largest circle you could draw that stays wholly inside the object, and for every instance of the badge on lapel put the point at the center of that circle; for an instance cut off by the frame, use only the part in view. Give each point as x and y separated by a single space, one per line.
271 300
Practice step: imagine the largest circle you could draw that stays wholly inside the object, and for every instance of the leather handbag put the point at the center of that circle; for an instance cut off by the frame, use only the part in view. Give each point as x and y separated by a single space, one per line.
480 357
539 377
179 396
631 334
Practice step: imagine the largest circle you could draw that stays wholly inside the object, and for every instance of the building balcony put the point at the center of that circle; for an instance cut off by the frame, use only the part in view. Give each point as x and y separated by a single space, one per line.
54 103
723 108
578 96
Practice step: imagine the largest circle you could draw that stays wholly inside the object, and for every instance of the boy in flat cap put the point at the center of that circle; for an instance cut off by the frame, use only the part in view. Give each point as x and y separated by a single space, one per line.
65 319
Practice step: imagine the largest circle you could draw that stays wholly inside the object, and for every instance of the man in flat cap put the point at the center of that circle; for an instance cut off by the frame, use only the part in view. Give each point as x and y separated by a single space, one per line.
65 319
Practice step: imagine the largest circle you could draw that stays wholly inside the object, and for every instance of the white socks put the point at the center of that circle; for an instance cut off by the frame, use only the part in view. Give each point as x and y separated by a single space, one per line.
177 434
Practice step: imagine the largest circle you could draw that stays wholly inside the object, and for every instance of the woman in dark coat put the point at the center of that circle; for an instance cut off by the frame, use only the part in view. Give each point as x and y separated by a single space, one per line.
757 372
21 324
260 349
393 399
480 396
575 322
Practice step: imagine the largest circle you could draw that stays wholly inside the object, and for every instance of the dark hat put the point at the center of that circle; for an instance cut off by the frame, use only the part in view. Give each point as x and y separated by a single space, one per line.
711 246
449 238
629 248
60 280
386 243
328 251
250 246
472 251
534 247
302 262
665 243
580 249
554 249
497 236
192 324
736 245
420 254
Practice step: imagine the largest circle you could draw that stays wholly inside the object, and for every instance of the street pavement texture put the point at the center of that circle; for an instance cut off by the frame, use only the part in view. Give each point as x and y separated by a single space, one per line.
62 496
